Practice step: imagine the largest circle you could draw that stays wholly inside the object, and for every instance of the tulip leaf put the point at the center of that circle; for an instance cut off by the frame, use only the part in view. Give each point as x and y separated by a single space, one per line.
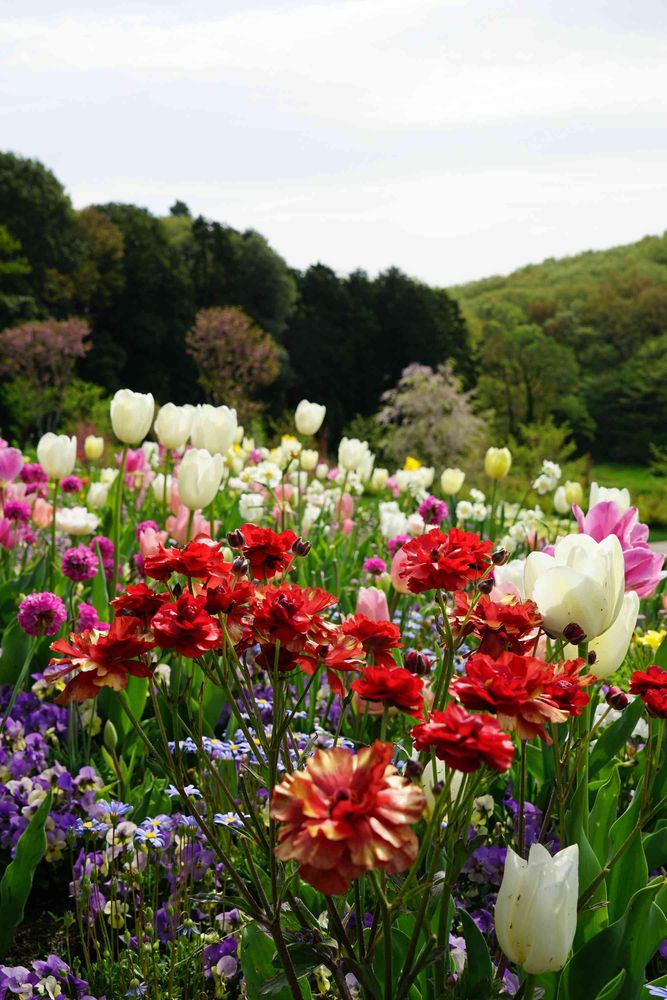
15 646
630 872
655 849
626 945
479 970
614 737
603 815
98 592
613 987
18 877
594 917
661 656
257 951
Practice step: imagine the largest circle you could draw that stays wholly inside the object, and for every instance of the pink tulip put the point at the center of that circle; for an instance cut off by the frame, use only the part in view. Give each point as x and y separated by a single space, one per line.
178 526
11 463
396 565
8 534
42 513
643 566
150 541
372 602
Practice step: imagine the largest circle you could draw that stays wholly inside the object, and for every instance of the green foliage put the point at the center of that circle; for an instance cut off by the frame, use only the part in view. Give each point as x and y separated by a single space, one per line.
17 880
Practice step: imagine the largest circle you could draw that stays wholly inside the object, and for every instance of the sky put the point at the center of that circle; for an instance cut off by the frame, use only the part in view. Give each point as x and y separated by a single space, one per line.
454 139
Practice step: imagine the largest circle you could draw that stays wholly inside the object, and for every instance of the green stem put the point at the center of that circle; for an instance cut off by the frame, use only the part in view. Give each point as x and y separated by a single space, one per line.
521 839
52 559
116 520
19 683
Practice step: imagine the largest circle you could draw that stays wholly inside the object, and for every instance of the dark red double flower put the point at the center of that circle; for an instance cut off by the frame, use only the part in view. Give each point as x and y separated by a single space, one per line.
395 688
339 654
186 626
268 552
464 741
377 638
139 601
197 560
499 625
438 561
290 614
651 686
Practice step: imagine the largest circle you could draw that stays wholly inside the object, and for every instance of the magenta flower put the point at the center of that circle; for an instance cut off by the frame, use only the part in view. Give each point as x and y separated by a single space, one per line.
87 618
643 566
71 484
11 463
41 614
104 544
79 563
396 543
375 566
432 510
32 474
17 510
8 533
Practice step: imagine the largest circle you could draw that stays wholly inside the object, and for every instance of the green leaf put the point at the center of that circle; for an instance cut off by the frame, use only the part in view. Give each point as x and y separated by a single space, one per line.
257 954
630 872
479 970
661 656
15 646
603 815
594 917
99 595
18 877
614 737
613 987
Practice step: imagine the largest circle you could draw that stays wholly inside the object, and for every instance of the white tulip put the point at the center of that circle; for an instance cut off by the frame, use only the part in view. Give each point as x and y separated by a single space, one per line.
132 415
76 521
56 453
620 497
251 506
107 475
97 495
497 462
452 480
511 574
322 470
582 584
379 479
93 447
352 454
214 428
199 476
612 646
536 908
157 486
308 459
308 417
173 425
561 506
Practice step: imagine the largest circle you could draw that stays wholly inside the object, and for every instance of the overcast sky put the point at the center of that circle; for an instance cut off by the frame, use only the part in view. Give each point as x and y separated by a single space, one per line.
453 138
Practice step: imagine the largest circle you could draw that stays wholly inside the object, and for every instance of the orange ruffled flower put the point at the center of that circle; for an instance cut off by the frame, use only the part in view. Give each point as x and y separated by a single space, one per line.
346 814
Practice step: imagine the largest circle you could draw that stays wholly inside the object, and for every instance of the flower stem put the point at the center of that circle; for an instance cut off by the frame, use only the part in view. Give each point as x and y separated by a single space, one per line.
52 559
116 520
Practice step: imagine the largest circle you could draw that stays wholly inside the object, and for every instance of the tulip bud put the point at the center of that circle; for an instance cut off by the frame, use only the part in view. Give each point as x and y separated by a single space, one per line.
413 769
173 425
561 506
574 633
574 493
56 453
308 459
93 447
322 470
617 699
379 479
199 476
536 908
451 481
497 462
308 417
499 557
416 662
301 547
592 657
438 788
240 565
98 494
110 736
213 428
486 585
132 415
235 538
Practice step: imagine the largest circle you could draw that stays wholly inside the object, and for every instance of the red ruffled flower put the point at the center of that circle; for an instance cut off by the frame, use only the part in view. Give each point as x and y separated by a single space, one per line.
342 653
377 638
230 595
438 561
396 688
186 626
499 625
290 614
567 686
139 601
346 814
464 741
517 689
198 560
267 552
651 686
100 659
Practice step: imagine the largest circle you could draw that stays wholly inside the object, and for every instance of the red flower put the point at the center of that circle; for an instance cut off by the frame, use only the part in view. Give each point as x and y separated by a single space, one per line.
227 594
437 561
377 638
139 601
651 686
515 688
499 625
341 653
346 814
267 552
464 741
567 686
199 559
100 659
289 614
186 626
396 688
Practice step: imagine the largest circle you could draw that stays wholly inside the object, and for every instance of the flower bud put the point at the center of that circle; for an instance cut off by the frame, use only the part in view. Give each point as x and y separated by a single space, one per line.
417 663
132 415
574 493
451 481
592 657
497 462
308 459
93 447
301 547
56 453
173 425
617 699
574 633
486 585
499 557
413 769
379 479
240 566
308 417
235 538
199 476
110 736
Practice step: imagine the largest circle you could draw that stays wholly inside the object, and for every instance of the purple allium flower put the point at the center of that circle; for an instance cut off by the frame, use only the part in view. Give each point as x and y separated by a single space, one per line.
71 484
142 526
17 510
432 510
375 566
104 544
33 473
87 617
396 543
41 614
79 563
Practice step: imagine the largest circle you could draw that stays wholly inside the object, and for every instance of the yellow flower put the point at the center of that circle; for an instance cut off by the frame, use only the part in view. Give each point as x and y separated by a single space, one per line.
412 464
652 638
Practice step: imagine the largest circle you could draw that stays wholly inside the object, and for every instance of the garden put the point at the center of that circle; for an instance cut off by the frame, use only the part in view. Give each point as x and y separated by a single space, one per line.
278 721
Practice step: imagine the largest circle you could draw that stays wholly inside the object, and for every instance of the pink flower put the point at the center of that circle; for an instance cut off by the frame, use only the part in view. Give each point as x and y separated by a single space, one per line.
150 541
8 533
643 566
397 564
372 602
42 513
178 526
41 614
11 463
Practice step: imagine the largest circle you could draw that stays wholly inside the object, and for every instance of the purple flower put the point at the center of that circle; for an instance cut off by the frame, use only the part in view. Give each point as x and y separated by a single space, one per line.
143 526
87 617
396 543
17 510
71 484
104 544
79 563
41 614
11 463
643 566
33 474
375 566
432 510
